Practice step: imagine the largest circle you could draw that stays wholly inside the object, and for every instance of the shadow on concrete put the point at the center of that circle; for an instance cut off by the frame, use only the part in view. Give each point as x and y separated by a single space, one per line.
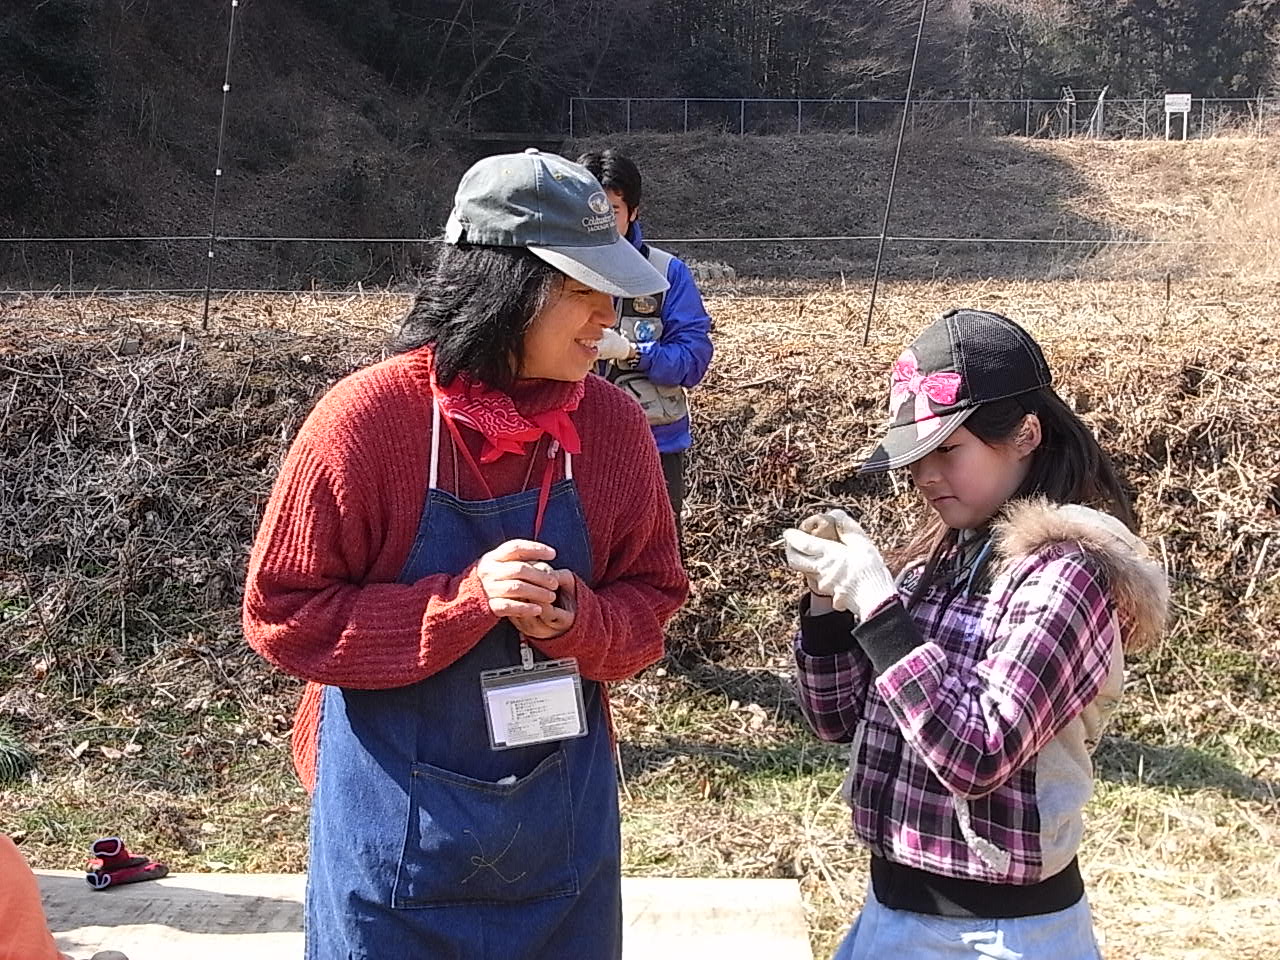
70 905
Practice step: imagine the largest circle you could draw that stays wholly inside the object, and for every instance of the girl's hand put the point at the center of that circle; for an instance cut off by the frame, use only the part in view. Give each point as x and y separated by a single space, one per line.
554 620
850 570
517 580
819 525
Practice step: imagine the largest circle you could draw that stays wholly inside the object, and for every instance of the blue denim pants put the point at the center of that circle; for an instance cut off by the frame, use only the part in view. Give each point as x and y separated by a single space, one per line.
882 932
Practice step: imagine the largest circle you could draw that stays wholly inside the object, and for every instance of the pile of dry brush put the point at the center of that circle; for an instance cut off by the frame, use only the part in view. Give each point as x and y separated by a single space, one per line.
136 454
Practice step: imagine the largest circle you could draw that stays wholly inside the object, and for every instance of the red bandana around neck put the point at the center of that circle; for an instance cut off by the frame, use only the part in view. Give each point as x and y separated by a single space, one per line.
493 415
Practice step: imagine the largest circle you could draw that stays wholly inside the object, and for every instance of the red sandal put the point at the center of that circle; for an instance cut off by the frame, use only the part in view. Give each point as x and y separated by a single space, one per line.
113 865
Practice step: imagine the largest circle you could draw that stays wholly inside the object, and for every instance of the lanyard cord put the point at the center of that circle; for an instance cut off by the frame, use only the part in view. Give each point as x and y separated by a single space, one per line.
548 471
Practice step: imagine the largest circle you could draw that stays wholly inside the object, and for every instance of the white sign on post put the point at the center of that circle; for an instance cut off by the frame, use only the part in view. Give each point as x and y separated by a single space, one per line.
1177 103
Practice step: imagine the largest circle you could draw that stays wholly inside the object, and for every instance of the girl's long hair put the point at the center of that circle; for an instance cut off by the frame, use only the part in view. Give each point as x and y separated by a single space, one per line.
1068 467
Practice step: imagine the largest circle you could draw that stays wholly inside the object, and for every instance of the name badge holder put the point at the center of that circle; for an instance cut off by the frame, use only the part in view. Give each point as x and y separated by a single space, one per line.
534 702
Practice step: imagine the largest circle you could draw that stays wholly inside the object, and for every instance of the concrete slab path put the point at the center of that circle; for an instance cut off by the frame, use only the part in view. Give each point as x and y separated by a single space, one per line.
259 917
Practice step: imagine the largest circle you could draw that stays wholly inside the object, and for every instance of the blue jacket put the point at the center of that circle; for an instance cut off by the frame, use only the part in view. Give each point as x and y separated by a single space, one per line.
681 356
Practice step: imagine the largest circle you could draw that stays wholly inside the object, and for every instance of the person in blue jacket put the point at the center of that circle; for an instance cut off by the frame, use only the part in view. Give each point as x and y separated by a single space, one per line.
661 345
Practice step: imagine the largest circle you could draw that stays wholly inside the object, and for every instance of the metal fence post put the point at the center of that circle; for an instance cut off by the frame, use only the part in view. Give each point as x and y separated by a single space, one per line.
856 104
799 103
1028 132
971 114
1144 118
1202 119
742 118
571 99
628 114
686 115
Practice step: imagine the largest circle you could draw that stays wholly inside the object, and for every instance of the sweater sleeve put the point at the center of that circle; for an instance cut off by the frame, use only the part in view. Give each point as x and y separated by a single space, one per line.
976 725
24 932
618 627
310 605
832 674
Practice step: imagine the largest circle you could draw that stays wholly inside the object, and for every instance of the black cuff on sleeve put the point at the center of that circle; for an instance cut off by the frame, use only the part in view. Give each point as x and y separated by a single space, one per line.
826 634
888 636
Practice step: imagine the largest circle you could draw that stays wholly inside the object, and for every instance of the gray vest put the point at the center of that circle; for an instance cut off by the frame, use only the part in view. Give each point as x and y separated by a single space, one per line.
640 321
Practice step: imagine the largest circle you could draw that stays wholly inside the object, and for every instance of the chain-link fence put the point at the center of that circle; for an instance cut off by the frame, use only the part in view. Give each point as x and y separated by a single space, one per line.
1105 118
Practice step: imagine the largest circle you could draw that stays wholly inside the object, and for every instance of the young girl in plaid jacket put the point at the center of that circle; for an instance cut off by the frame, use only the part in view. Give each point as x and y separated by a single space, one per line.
974 684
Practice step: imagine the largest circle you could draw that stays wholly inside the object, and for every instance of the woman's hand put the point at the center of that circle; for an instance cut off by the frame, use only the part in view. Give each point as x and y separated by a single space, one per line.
553 620
517 580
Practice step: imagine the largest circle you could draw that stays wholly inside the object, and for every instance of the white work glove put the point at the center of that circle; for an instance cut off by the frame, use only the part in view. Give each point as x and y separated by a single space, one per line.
819 525
614 346
849 569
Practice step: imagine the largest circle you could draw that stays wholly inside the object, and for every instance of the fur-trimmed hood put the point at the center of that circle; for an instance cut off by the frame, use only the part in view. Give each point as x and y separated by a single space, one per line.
1138 582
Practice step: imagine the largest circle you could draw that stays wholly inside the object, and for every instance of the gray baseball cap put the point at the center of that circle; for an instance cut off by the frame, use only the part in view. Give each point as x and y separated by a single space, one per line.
557 210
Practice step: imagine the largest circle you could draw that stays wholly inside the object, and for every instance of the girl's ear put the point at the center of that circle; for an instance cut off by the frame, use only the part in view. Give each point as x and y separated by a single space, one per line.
635 213
1028 437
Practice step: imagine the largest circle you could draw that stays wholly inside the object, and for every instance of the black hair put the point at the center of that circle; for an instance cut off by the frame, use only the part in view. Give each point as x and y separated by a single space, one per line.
474 309
615 172
1068 467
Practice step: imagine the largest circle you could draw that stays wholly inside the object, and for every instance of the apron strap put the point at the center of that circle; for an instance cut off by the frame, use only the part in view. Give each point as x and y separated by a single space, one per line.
548 472
459 444
434 482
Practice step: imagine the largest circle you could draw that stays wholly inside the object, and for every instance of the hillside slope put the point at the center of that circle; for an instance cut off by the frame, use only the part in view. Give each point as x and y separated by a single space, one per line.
828 185
112 114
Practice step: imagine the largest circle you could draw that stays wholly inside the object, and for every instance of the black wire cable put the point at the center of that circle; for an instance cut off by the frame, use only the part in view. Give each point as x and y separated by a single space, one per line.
217 174
893 175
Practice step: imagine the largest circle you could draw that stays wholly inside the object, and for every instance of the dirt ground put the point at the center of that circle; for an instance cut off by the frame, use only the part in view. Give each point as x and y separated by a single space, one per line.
138 449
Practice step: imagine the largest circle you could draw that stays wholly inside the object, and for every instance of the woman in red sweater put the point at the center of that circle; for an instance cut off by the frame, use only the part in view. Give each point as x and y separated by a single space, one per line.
466 542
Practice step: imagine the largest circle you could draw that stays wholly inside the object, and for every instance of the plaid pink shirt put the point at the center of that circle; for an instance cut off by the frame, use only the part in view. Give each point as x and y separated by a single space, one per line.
957 721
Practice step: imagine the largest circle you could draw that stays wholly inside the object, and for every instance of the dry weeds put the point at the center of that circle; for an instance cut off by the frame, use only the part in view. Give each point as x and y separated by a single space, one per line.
137 453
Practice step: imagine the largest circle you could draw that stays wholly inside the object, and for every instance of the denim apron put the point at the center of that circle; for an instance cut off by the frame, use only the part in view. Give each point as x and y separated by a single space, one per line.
426 842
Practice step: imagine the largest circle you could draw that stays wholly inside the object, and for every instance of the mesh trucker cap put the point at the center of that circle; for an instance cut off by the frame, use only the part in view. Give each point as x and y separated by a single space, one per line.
556 209
962 360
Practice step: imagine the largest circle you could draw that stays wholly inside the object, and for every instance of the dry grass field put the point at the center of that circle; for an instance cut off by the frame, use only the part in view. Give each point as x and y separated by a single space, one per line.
137 451
1087 192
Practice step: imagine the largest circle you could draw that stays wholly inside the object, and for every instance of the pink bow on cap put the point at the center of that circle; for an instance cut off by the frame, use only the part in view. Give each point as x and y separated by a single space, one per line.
942 388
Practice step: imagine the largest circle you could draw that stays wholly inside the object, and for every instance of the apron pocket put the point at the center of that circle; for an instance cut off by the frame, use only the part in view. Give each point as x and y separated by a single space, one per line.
472 841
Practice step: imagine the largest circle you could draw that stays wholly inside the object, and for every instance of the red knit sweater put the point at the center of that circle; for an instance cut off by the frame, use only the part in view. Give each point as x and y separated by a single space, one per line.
321 601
